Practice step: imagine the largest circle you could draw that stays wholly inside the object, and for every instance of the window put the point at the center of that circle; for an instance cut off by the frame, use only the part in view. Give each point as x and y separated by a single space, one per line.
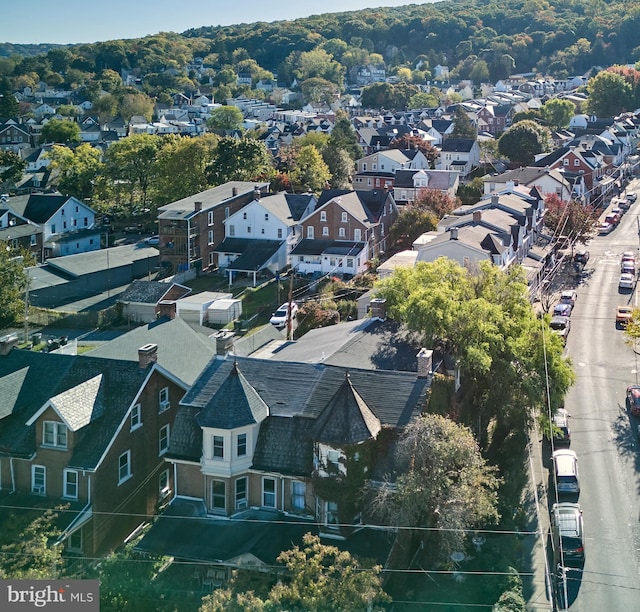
241 446
74 222
74 541
565 162
136 417
266 216
227 212
54 434
210 237
124 467
163 440
262 231
77 209
248 229
297 495
218 495
210 218
269 492
325 231
576 162
39 479
232 230
280 233
211 258
218 447
163 399
349 262
357 235
244 215
163 484
323 215
310 232
70 488
62 212
332 513
241 493
344 217
53 228
34 241
64 225
341 232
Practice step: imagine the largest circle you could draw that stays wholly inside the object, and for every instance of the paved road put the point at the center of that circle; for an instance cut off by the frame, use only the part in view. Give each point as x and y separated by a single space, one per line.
602 435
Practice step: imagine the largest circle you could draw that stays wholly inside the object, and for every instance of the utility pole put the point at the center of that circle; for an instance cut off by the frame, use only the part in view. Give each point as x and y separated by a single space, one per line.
289 302
26 309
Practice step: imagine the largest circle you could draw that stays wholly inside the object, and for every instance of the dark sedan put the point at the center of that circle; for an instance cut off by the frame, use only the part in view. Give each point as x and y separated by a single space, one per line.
633 399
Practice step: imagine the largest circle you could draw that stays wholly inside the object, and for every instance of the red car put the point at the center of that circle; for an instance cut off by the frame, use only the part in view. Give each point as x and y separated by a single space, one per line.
633 399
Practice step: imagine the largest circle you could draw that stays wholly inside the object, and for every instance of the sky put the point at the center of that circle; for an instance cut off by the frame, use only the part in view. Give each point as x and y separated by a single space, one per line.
88 21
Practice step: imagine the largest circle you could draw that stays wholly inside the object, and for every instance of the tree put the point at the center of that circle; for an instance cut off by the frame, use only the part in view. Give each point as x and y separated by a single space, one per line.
479 73
61 131
182 167
225 118
444 484
136 104
436 201
13 281
78 169
317 89
9 106
423 100
523 141
571 218
558 113
12 166
309 170
609 94
412 222
343 136
319 577
132 162
246 159
409 141
340 165
462 125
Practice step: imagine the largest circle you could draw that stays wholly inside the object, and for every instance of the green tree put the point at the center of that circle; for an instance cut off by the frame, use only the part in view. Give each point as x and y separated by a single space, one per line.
131 162
343 136
135 104
319 577
423 100
462 125
225 118
12 285
9 106
609 94
61 131
479 73
341 167
12 167
318 63
182 167
412 222
309 170
106 107
558 113
317 89
444 484
78 169
246 159
523 141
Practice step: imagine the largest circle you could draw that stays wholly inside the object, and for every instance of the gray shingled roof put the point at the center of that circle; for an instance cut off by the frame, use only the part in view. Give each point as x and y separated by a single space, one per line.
145 292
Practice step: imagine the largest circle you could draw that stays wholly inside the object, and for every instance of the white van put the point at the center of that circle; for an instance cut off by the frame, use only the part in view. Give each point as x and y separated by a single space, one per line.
565 468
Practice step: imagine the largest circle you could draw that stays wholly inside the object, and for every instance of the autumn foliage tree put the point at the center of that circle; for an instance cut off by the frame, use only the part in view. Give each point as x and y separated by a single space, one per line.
409 141
572 219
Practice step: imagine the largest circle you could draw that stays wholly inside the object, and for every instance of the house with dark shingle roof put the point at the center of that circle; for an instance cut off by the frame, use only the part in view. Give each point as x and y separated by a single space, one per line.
144 301
459 154
255 436
87 432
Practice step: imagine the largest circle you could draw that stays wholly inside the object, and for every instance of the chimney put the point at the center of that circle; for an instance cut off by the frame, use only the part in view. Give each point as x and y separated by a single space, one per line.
198 206
477 216
425 363
234 191
454 233
224 343
7 343
379 308
147 355
495 199
256 192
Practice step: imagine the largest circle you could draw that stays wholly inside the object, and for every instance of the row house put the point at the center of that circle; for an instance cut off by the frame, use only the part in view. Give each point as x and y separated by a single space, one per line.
377 170
19 233
546 180
409 184
250 442
90 434
459 154
14 137
494 119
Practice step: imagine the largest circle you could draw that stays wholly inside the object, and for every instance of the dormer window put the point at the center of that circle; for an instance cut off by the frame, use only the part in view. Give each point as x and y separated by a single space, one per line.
54 434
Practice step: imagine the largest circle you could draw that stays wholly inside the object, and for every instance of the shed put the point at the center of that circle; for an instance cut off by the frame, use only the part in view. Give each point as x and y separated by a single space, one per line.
224 311
193 308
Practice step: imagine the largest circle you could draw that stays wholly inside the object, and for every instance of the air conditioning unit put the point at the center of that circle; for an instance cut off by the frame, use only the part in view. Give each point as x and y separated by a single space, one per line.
241 505
165 406
38 489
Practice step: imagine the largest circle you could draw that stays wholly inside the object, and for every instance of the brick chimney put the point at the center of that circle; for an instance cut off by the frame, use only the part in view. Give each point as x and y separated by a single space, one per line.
477 216
379 308
234 191
224 343
198 206
425 363
147 355
495 199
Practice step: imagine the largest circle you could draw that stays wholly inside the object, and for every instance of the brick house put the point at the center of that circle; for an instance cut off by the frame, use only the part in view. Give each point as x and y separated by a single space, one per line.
90 433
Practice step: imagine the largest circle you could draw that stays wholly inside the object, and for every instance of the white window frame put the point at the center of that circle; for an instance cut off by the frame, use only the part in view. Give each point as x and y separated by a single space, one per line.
341 232
124 468
57 432
67 486
232 230
357 235
217 496
163 400
323 215
210 218
325 230
39 479
310 232
344 217
164 435
217 442
210 237
268 497
241 446
164 484
298 497
241 500
136 417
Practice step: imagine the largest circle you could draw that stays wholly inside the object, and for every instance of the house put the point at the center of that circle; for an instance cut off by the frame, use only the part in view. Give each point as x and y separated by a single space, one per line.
495 118
14 137
250 442
547 181
88 433
408 184
261 235
19 233
145 301
459 154
68 225
352 225
377 170
191 228
38 159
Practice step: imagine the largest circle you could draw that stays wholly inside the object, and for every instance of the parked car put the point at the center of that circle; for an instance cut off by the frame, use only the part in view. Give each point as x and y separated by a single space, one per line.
565 471
581 256
567 532
279 317
612 218
628 256
633 399
569 296
605 228
624 314
632 196
627 281
561 326
628 267
153 240
561 431
618 212
562 309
